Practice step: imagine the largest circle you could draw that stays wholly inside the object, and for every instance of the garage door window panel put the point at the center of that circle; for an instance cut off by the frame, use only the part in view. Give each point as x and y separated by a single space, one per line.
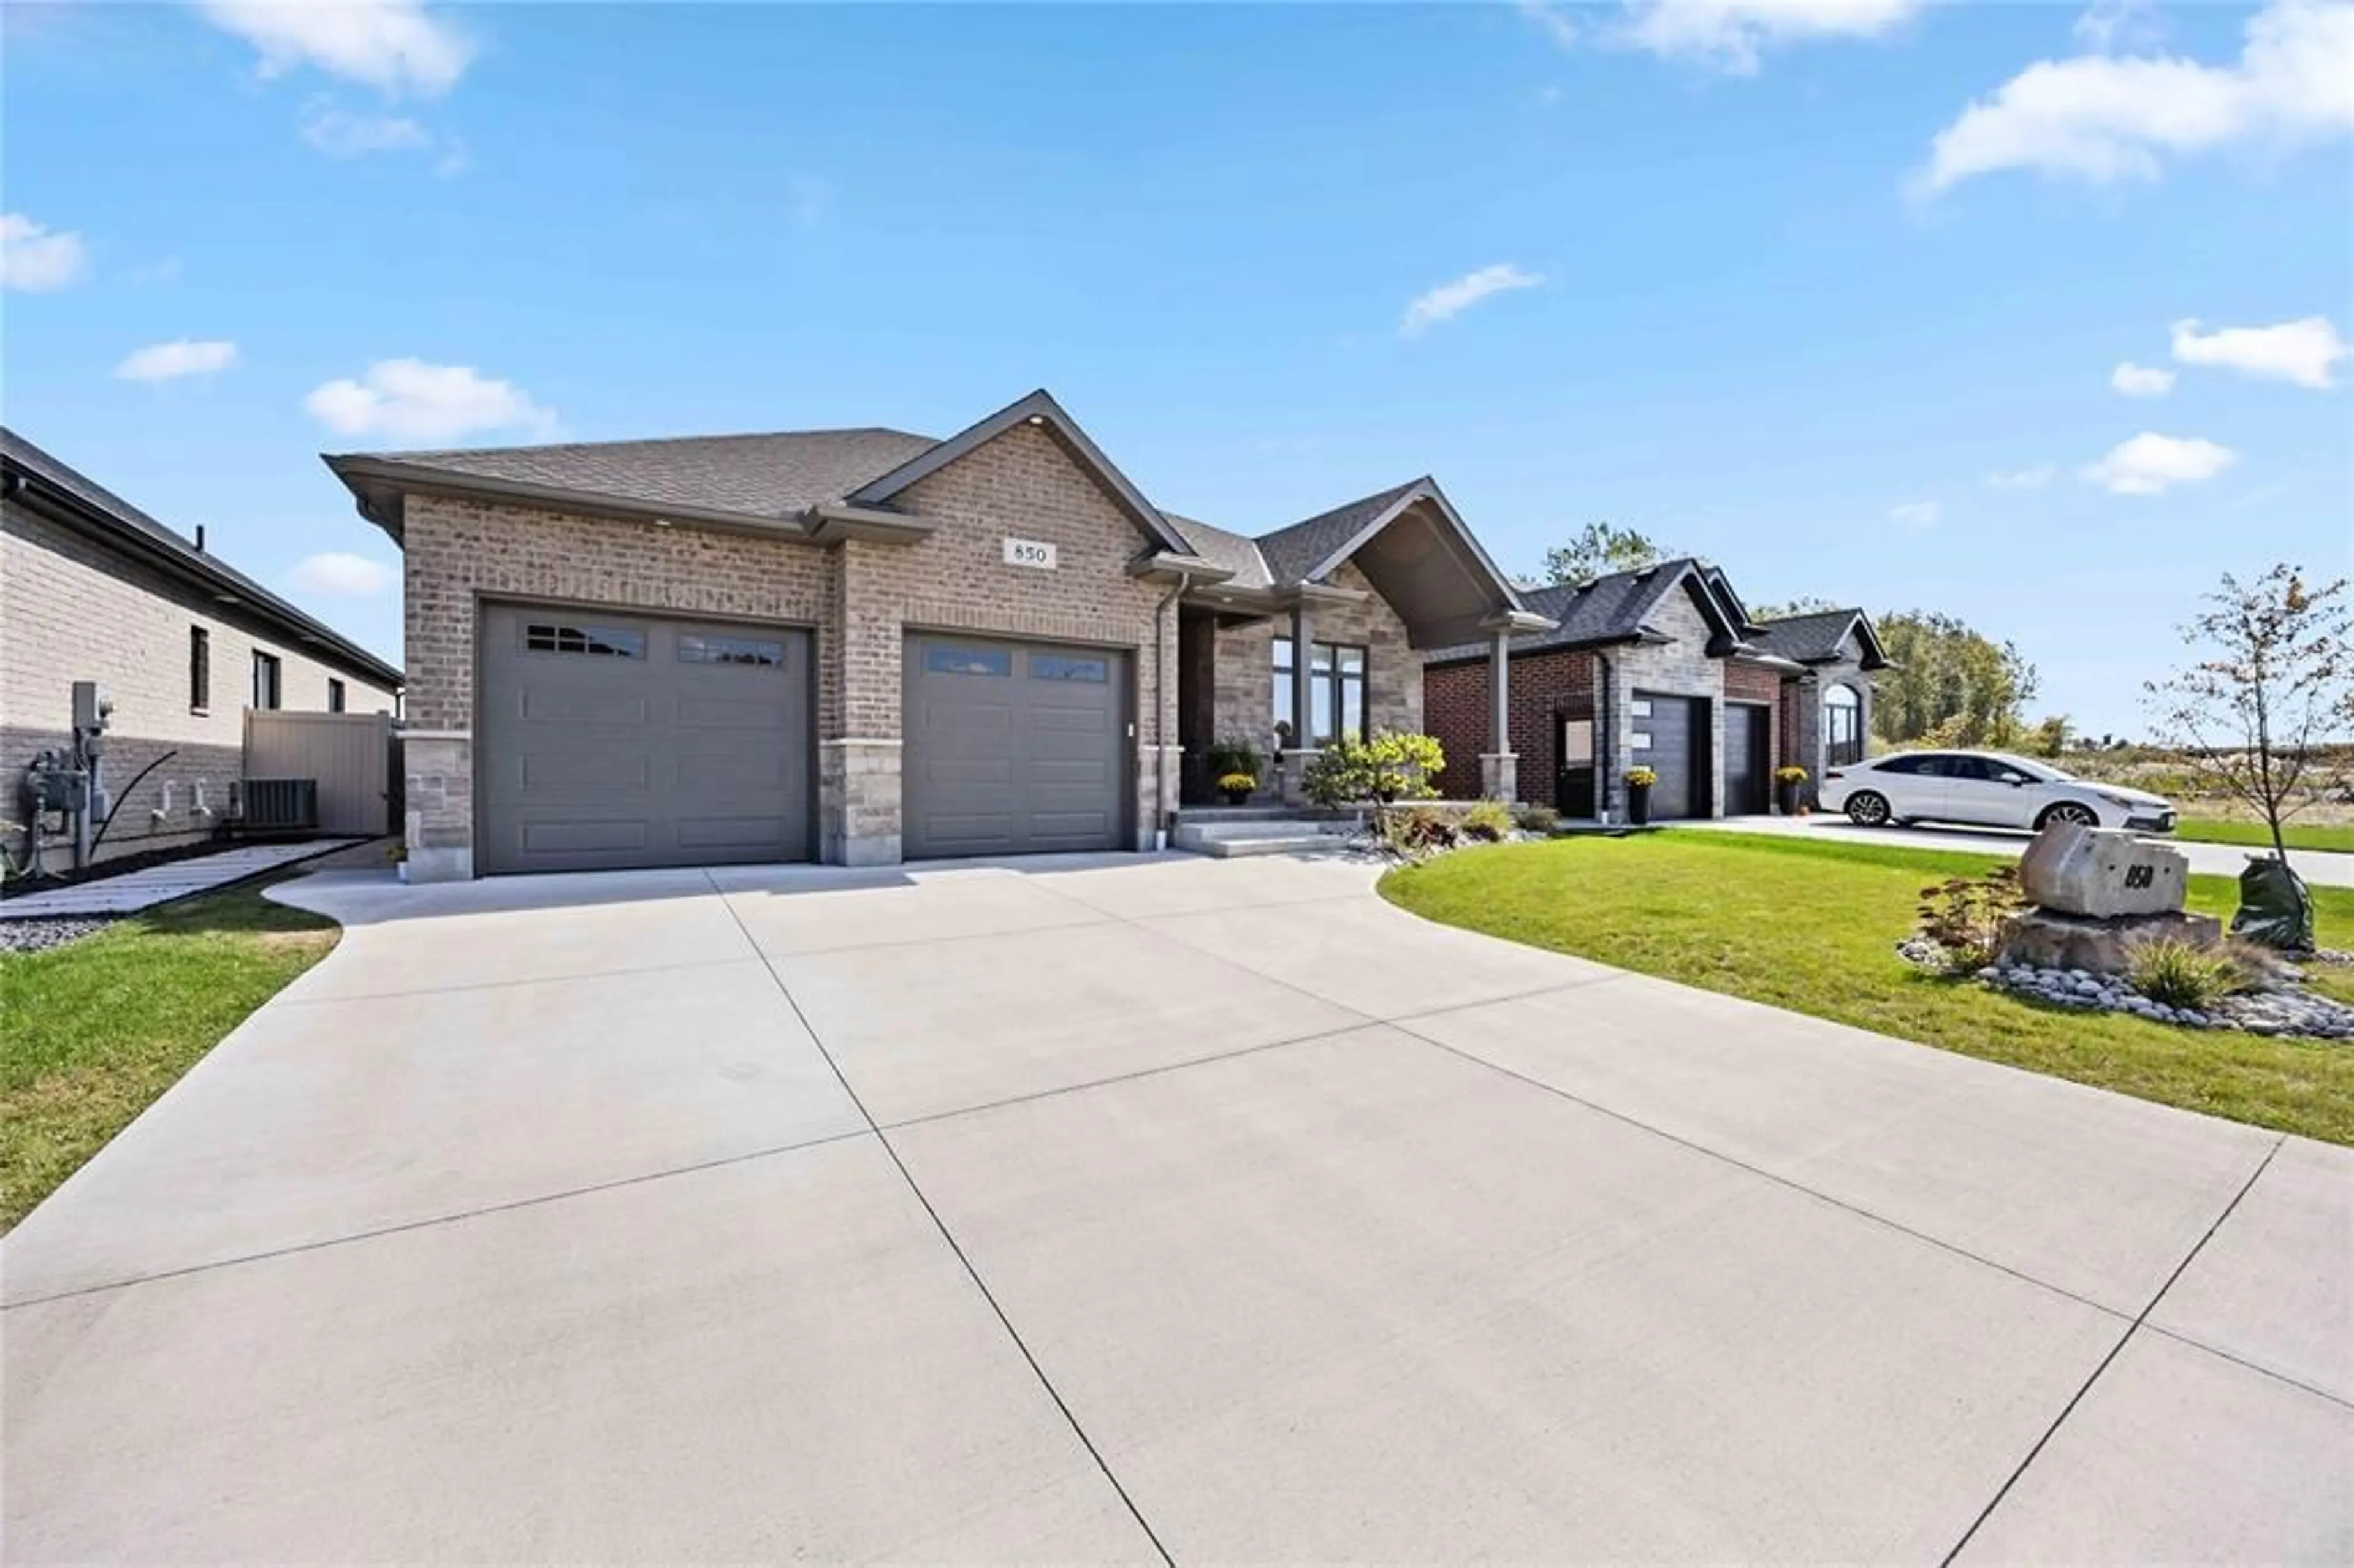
944 659
695 649
606 641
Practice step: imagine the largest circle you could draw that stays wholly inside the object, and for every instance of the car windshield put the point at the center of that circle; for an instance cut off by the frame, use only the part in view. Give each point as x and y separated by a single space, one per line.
2034 769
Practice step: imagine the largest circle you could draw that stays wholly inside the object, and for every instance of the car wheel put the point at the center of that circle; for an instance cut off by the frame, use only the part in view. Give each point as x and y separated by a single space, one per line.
2067 812
1866 810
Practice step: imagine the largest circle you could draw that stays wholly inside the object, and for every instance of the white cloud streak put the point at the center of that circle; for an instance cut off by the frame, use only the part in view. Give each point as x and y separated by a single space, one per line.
411 400
1732 35
2133 380
2305 353
183 357
1914 516
37 259
1452 299
2152 465
337 574
394 46
2035 478
340 133
2103 118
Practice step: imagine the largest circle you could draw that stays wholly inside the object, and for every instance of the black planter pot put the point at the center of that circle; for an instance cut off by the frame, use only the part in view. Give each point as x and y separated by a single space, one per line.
1791 791
1638 804
1238 796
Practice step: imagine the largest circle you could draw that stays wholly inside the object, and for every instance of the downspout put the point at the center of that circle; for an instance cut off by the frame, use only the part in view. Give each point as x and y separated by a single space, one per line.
1160 710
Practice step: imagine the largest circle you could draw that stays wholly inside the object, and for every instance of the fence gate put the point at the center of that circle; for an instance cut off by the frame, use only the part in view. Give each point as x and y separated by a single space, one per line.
349 755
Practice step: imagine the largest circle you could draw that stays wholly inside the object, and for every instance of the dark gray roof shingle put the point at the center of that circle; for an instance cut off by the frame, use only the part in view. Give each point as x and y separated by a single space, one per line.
1237 552
1292 553
774 475
1806 636
1603 609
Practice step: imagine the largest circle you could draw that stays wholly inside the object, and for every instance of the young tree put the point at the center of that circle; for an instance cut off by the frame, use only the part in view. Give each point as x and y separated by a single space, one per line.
2272 687
2049 738
1805 604
1600 547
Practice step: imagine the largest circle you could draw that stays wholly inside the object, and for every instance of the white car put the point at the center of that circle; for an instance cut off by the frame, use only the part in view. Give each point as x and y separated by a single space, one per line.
1985 788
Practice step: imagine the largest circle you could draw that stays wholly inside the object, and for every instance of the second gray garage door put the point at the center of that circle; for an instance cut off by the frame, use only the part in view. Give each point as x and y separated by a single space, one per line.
1013 747
609 740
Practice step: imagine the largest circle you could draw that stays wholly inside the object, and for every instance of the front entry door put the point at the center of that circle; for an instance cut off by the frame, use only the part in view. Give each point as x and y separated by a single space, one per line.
1573 773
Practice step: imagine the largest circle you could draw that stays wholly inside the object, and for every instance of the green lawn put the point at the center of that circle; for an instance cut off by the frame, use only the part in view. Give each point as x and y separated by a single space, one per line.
2300 835
97 1028
1813 928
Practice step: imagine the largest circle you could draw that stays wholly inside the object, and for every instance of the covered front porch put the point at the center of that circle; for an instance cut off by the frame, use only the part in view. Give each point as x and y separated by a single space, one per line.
1325 637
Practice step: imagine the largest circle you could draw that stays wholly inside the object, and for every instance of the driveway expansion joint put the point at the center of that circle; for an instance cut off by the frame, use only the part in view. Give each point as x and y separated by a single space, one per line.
2115 1351
971 1273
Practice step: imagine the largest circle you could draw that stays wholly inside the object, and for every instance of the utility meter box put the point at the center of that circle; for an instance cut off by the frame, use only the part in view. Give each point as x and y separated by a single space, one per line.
57 789
92 706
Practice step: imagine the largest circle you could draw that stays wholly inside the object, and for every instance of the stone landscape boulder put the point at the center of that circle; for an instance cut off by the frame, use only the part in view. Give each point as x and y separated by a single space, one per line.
2103 873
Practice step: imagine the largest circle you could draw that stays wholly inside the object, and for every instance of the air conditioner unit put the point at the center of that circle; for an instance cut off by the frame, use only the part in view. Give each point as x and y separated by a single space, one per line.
278 806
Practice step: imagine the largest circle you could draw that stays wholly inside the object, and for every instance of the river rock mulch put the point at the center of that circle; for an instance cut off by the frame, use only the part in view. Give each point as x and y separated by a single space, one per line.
33 935
2281 1007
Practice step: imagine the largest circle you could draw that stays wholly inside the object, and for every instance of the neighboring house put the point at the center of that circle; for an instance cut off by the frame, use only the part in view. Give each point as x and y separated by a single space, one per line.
861 645
92 589
1661 667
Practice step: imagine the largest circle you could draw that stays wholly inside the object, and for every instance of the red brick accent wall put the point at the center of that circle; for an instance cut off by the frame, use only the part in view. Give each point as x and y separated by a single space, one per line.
1748 683
1543 687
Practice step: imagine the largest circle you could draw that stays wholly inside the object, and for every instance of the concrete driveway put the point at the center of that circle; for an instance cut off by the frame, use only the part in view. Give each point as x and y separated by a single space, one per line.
1122 1208
2319 868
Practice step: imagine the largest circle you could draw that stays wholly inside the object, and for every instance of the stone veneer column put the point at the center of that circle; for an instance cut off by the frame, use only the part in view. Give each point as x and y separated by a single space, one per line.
1500 775
1499 766
438 772
1157 772
858 802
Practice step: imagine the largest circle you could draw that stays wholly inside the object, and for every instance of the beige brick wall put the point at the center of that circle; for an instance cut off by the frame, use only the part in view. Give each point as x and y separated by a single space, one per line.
72 610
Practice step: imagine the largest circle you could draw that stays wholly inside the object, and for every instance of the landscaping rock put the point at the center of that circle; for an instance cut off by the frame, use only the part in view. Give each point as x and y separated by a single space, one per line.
2082 945
2102 873
34 935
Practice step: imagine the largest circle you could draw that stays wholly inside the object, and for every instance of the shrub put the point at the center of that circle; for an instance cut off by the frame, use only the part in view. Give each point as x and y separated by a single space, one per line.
1963 916
2176 973
1415 832
1234 754
1488 822
1392 766
1641 777
1540 818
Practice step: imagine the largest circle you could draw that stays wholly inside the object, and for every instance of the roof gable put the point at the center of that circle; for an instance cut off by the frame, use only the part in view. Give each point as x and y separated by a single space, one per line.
1820 638
1038 408
1617 607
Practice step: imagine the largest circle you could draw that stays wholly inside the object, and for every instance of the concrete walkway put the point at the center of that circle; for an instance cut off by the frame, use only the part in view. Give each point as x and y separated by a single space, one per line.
1124 1208
133 891
2320 868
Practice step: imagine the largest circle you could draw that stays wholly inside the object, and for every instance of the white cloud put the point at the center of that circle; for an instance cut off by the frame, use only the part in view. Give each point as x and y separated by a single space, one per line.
2103 117
1451 300
2306 351
396 46
409 401
338 574
1916 516
340 133
1730 34
2141 380
2152 465
2262 495
1551 21
2034 478
36 259
170 361
2111 25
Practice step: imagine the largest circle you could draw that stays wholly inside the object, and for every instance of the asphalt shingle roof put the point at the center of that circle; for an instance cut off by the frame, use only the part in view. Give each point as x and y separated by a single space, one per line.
1806 636
773 475
1605 609
1291 553
1237 552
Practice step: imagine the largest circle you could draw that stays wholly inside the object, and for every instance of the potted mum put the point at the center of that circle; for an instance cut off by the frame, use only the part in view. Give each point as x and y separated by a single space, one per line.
1638 794
1790 785
1236 788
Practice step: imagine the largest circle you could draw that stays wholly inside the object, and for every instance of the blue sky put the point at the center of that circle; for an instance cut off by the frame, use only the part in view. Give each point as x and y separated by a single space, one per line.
1789 284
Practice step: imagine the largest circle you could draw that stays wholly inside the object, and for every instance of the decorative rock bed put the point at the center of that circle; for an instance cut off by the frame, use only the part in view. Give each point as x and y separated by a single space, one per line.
33 935
2286 1010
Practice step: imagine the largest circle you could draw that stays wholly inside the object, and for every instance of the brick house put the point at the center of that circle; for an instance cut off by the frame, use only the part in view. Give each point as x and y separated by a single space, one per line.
1663 667
861 645
93 588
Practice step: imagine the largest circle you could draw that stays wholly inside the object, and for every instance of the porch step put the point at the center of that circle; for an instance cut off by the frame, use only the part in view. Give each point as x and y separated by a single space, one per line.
1281 835
1268 813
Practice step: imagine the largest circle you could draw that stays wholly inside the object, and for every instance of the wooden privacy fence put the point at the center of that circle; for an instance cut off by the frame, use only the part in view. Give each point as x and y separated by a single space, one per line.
351 755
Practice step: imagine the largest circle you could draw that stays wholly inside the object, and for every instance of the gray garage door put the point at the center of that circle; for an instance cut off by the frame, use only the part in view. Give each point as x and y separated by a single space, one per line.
1013 747
1670 740
1747 751
608 740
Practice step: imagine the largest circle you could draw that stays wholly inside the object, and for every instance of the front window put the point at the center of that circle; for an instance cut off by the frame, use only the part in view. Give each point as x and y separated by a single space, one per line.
266 687
1842 726
1336 690
334 695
